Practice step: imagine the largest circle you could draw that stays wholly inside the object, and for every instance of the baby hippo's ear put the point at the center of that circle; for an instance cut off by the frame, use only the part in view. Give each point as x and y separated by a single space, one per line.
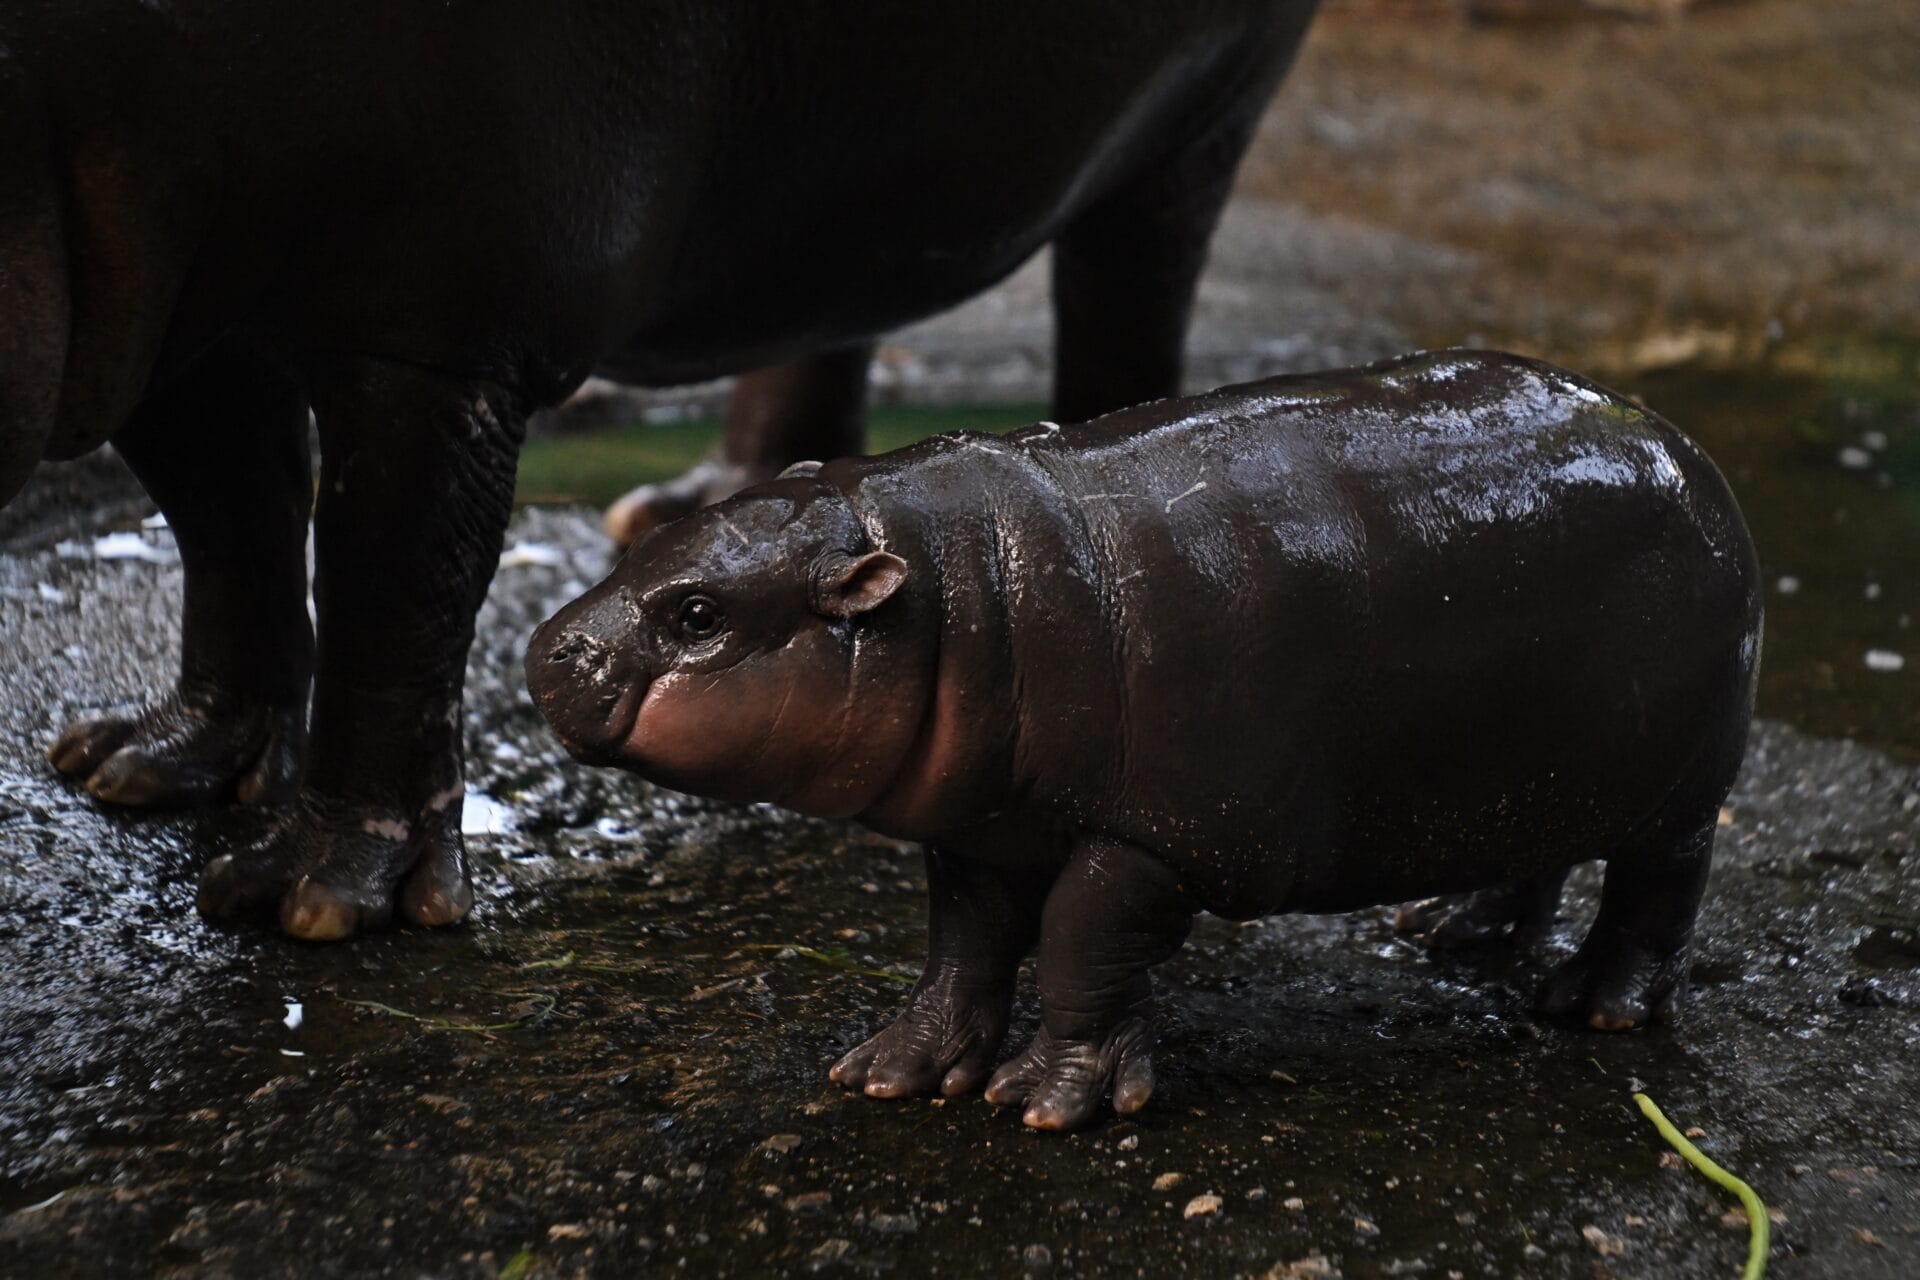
845 585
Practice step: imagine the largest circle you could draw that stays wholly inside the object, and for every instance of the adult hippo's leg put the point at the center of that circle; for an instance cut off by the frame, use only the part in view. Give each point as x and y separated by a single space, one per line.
811 408
982 920
1114 912
223 453
1632 967
1126 269
416 486
1516 909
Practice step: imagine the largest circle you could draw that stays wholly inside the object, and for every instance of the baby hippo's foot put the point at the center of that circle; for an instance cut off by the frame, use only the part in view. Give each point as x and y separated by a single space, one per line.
1614 983
1061 1082
639 511
1519 908
331 871
188 749
946 1040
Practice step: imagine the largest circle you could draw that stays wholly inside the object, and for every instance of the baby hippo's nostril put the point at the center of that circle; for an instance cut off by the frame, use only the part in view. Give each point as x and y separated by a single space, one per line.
588 685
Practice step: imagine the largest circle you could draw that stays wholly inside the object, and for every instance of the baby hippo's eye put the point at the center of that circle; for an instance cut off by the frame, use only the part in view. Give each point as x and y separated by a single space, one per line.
698 619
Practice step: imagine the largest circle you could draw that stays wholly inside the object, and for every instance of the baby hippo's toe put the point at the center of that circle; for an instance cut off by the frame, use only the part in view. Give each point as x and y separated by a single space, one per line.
1061 1083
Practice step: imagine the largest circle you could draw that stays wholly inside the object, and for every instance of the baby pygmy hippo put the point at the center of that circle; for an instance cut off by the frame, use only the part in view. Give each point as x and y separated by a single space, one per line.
1438 628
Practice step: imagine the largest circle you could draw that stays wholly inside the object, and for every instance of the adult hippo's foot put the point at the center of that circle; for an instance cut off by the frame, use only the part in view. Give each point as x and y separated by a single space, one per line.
639 511
222 450
815 407
1518 909
982 919
407 534
330 872
189 748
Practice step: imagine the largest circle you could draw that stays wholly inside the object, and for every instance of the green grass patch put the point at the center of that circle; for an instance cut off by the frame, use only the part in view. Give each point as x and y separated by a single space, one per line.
595 467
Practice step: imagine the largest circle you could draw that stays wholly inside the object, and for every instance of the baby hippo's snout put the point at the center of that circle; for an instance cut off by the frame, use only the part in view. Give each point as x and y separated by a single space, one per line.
587 673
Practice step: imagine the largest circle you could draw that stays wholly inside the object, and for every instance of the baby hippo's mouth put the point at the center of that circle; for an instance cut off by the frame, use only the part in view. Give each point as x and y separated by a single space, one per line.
589 691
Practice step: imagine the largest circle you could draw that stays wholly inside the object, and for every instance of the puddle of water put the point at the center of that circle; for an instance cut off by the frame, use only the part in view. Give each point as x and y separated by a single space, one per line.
1822 448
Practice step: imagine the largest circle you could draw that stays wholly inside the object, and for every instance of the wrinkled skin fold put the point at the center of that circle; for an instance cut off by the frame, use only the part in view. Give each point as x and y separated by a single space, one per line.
1437 629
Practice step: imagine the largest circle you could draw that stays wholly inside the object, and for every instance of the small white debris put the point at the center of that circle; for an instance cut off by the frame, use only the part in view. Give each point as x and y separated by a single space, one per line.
1874 440
1871 591
1202 1206
1884 660
523 554
154 521
118 546
1854 458
1168 1181
1787 585
482 815
52 594
1607 1246
296 1014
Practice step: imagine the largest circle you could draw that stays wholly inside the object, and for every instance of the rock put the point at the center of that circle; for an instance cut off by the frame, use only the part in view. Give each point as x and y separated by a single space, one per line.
809 1203
1314 1266
1203 1206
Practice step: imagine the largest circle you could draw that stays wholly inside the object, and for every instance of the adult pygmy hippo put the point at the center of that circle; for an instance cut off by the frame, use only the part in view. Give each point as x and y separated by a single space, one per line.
1443 626
423 220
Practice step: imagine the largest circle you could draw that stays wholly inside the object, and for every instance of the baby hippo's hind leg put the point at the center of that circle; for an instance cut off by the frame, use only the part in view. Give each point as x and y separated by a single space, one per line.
1633 966
1518 909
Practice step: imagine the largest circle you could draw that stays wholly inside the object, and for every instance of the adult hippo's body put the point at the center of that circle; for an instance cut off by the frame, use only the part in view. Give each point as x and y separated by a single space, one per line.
423 220
1445 626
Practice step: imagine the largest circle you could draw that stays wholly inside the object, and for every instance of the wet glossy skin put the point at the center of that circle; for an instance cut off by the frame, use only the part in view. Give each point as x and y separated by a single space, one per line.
1444 626
423 221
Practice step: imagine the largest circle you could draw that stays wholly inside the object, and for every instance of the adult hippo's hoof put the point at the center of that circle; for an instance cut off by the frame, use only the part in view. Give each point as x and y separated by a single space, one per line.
328 874
639 511
184 751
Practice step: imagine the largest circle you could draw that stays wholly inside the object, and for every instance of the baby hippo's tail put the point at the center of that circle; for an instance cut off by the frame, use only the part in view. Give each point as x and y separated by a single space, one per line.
34 308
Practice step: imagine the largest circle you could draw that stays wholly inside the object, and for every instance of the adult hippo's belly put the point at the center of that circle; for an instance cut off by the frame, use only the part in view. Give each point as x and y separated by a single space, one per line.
423 221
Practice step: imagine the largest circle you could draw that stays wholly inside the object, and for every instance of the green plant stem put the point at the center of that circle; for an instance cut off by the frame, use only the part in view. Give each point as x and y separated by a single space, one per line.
1756 1211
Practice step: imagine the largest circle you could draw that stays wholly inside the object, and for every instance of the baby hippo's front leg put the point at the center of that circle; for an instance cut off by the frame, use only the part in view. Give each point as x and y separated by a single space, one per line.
1114 912
981 922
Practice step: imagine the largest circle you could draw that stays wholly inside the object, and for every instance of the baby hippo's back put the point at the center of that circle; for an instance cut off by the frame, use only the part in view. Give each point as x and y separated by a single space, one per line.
1325 641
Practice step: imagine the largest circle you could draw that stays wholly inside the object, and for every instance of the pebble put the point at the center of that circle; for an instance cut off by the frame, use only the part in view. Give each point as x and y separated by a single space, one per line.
1168 1181
830 1251
1036 1257
1884 660
782 1143
810 1202
1203 1206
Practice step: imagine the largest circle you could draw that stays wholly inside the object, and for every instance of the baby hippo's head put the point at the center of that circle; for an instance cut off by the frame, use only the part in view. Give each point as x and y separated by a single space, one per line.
719 655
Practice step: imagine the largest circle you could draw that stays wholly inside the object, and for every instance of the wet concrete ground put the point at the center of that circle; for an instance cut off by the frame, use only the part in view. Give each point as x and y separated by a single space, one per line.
620 1063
